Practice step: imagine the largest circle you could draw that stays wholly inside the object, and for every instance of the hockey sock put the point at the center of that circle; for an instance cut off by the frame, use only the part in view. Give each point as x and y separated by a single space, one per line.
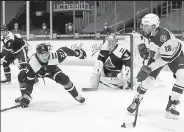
71 89
176 92
140 91
7 72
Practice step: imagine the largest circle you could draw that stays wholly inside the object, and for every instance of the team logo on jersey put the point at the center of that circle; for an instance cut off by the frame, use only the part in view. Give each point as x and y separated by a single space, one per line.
9 43
109 63
163 38
126 55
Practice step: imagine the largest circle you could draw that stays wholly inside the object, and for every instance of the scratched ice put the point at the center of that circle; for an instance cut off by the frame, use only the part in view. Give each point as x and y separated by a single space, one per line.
54 110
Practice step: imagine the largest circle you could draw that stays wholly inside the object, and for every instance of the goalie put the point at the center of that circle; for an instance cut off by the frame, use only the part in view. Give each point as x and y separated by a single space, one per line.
112 67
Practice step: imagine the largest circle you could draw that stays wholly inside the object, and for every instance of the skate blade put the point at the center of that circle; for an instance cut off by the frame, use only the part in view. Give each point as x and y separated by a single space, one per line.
168 115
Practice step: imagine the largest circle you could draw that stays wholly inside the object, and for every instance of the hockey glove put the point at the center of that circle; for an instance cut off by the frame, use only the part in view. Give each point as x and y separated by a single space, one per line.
80 53
25 100
143 73
144 53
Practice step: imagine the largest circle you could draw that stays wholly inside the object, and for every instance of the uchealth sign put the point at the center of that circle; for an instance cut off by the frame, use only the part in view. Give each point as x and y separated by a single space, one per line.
68 6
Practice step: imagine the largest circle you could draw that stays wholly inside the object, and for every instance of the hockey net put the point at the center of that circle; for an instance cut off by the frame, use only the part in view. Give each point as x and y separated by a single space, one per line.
131 42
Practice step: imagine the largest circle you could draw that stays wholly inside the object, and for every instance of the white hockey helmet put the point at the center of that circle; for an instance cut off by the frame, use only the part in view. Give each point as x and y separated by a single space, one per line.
149 23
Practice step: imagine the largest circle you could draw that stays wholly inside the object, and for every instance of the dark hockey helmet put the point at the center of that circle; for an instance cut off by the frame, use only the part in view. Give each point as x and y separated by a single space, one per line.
43 52
43 48
4 28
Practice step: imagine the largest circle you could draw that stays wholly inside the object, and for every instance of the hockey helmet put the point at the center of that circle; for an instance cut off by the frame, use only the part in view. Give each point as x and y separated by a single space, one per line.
43 52
112 40
149 23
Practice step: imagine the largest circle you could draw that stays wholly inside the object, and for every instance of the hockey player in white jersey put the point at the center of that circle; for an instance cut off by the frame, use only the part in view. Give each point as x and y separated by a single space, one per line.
112 67
162 49
44 64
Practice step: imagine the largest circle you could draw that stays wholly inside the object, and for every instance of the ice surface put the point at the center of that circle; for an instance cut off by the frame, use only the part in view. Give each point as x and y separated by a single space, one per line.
54 110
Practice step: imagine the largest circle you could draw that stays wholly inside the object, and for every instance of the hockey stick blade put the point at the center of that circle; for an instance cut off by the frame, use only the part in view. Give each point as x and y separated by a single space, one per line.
131 125
6 109
128 125
89 89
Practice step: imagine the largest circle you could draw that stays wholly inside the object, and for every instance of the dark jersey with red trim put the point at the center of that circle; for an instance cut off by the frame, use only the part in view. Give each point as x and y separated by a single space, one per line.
12 44
114 61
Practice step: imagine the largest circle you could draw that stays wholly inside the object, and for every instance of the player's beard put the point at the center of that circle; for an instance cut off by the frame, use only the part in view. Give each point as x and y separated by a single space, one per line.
44 57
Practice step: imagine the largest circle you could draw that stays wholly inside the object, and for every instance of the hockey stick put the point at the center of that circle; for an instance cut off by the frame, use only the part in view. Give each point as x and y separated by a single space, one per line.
95 89
131 125
6 109
89 89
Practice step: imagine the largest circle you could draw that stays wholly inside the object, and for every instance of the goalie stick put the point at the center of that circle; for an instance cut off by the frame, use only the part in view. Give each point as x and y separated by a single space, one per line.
89 89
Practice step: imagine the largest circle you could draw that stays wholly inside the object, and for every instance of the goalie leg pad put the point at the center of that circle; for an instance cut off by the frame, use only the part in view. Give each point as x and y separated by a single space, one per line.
95 79
97 73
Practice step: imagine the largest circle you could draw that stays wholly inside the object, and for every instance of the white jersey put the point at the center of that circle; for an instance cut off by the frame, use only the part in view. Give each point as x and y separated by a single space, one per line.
165 46
55 58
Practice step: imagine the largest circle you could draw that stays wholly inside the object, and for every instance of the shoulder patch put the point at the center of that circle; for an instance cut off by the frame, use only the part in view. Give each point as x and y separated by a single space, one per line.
163 38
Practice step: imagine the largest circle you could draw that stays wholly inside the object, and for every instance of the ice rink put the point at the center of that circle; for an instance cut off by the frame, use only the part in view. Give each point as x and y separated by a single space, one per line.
54 110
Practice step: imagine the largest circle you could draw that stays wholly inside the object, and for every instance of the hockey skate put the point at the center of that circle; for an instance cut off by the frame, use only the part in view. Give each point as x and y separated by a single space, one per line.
171 112
7 80
132 107
80 99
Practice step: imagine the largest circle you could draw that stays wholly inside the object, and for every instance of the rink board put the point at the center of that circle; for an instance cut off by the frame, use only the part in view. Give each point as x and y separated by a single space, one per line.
90 46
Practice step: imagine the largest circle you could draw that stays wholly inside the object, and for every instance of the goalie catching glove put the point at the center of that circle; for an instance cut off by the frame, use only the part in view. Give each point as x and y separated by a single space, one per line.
143 73
80 53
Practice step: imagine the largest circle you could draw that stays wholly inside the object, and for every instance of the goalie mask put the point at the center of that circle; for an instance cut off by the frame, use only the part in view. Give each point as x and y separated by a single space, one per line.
112 40
149 23
43 52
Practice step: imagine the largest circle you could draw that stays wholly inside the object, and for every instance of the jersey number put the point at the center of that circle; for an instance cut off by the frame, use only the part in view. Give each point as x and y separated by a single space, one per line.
54 55
168 48
121 50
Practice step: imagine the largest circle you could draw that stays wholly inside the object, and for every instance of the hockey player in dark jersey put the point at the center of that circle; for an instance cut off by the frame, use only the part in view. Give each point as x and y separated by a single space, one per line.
112 67
44 64
13 48
162 49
